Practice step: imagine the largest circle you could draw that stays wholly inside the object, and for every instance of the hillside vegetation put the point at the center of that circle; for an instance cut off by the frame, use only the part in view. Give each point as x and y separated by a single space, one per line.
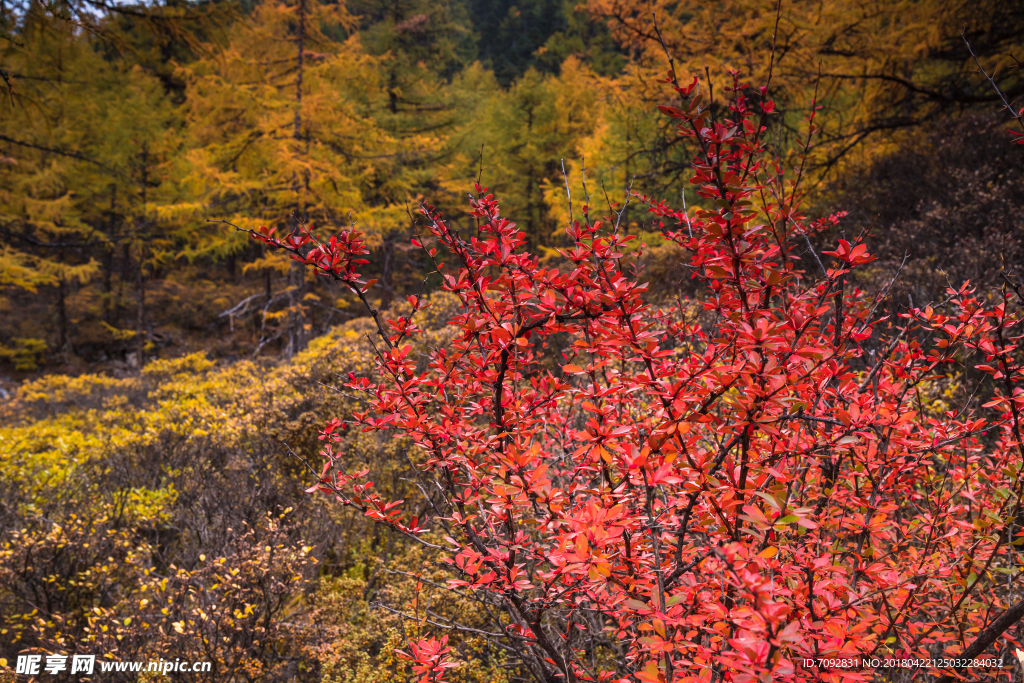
125 129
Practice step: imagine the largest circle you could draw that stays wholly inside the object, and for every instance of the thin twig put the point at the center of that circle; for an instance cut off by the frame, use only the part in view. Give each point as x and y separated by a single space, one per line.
1017 117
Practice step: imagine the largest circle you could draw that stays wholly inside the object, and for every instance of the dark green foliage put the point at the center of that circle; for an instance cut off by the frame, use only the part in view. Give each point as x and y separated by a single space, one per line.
515 35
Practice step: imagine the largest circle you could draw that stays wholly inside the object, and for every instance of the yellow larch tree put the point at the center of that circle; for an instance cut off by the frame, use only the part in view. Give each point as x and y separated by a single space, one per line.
877 67
279 134
82 139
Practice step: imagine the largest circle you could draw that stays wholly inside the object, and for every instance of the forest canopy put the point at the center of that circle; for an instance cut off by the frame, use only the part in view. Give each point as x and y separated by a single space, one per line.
125 128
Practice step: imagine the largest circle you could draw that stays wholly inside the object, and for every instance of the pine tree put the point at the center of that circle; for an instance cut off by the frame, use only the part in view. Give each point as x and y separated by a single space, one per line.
528 132
422 50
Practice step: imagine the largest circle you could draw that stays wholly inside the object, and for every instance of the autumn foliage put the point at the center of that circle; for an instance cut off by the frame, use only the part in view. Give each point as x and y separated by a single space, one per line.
718 489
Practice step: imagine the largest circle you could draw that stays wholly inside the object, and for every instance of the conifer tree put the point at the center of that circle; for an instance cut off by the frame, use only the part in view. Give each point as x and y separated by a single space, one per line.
279 135
430 94
528 132
75 131
877 67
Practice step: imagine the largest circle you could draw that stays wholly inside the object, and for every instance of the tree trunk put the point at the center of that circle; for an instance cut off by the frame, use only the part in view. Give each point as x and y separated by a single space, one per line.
126 261
258 322
63 345
392 92
296 273
140 313
140 281
108 263
387 257
108 285
296 318
300 40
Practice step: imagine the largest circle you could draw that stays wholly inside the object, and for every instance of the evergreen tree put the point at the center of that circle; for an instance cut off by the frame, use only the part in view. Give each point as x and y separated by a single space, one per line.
431 93
516 35
527 133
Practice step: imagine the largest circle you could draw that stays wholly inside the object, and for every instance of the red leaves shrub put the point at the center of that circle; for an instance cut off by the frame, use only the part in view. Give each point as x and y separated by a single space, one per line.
716 490
430 656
